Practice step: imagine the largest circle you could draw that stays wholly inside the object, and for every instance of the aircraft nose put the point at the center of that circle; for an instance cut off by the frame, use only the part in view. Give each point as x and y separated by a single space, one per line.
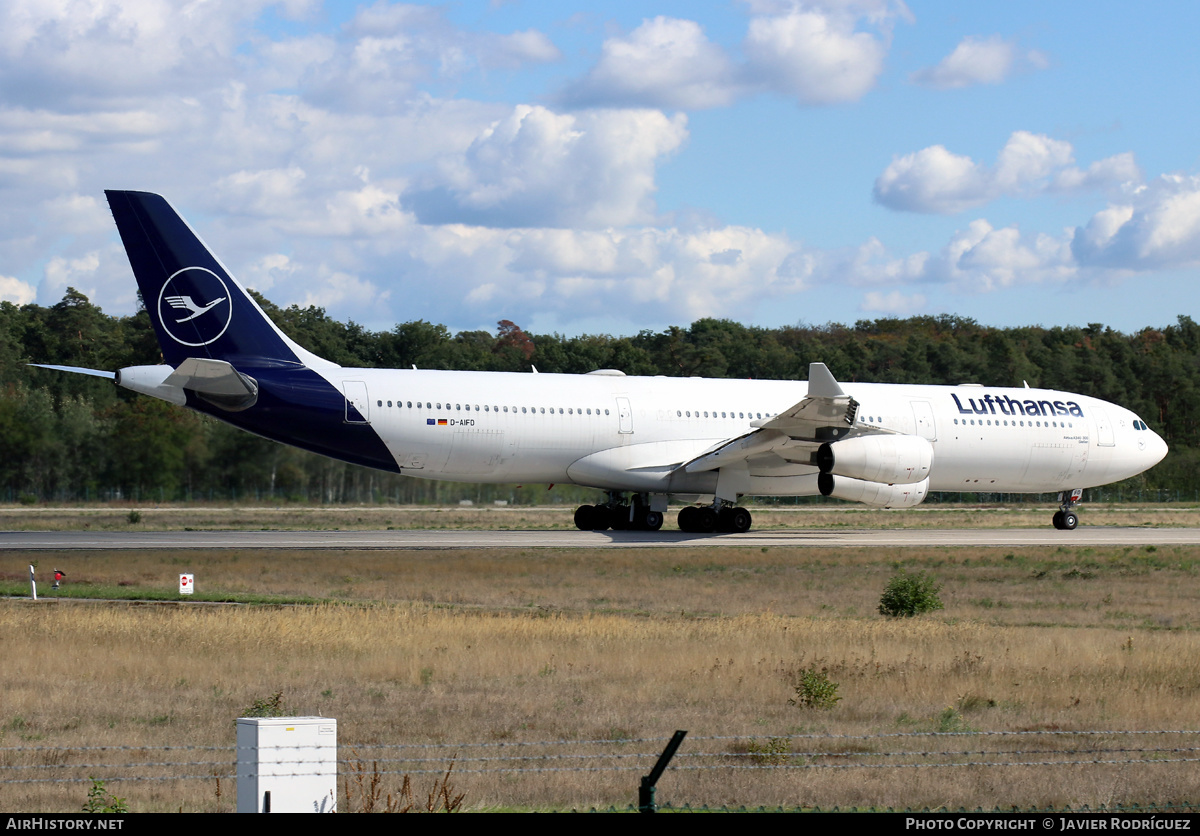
1152 449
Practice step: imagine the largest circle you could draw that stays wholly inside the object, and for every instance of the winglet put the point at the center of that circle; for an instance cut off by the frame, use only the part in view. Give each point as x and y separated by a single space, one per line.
821 383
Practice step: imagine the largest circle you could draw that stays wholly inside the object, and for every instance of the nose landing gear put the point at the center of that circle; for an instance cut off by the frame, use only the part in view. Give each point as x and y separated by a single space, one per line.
1065 519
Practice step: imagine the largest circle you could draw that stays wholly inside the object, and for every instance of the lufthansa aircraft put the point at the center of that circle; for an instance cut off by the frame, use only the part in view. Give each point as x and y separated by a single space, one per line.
642 440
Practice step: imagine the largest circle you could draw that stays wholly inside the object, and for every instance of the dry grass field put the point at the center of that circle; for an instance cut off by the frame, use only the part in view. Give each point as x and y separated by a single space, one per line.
109 516
512 646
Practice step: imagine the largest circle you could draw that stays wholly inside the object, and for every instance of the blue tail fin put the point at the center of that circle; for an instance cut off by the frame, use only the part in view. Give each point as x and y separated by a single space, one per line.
198 309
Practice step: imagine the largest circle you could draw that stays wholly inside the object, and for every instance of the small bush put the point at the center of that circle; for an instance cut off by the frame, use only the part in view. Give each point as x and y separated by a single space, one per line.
909 595
775 751
271 706
100 800
135 517
816 690
951 721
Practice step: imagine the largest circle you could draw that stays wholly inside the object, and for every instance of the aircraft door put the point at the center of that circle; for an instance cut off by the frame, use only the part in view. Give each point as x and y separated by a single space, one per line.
923 413
358 405
1104 430
625 415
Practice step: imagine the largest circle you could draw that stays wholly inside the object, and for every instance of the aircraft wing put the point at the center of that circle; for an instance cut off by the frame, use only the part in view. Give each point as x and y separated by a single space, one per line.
826 414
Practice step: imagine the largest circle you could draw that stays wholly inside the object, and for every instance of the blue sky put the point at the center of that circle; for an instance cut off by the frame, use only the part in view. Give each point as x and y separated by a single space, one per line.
617 166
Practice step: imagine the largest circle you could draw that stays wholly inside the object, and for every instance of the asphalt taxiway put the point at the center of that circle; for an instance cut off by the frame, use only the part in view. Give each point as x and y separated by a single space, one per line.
442 539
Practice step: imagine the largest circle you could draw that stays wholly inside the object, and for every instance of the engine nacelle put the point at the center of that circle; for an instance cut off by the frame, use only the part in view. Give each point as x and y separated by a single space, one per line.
892 459
875 494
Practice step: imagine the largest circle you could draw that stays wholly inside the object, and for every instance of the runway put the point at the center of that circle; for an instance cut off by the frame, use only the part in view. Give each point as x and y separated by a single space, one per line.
441 539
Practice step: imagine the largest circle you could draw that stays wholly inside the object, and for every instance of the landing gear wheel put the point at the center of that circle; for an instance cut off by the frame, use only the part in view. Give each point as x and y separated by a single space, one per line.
601 518
687 518
740 520
1069 521
733 520
652 521
618 518
698 520
584 517
1058 520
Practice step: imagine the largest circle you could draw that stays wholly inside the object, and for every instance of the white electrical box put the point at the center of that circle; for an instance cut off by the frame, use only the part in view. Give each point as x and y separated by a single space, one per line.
286 765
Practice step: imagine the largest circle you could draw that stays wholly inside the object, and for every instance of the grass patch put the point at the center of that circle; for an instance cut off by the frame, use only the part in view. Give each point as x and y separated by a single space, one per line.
522 645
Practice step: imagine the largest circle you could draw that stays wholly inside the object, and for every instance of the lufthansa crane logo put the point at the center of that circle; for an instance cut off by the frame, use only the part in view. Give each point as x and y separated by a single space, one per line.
194 306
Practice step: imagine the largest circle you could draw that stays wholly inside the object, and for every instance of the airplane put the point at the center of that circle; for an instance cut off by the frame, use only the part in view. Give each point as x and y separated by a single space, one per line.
642 440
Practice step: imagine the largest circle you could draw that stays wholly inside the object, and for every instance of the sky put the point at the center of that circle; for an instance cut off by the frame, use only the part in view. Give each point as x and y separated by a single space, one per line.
612 167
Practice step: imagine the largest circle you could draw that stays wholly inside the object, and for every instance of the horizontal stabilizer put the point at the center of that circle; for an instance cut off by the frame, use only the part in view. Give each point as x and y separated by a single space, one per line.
216 381
76 370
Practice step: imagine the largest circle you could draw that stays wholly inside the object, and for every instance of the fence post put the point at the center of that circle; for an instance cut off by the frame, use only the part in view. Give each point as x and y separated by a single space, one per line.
646 803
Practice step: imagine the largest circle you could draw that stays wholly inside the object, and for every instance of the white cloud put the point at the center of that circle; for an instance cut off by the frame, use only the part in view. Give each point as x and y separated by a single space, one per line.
16 291
665 62
259 192
541 168
1158 228
1119 169
893 304
1027 159
346 291
816 54
518 48
76 214
67 51
387 49
79 273
101 274
267 272
934 180
338 168
979 61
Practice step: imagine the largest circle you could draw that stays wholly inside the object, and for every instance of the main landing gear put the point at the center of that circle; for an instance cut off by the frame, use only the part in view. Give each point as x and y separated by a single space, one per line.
635 515
706 518
1065 519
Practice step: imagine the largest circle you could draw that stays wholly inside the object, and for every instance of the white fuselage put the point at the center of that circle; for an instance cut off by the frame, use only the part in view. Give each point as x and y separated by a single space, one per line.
632 433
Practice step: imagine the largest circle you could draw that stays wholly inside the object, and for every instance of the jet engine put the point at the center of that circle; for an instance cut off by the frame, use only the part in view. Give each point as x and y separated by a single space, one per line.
891 459
875 494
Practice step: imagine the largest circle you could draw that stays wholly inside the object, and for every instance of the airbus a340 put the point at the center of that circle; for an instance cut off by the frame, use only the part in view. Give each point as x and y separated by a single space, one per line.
642 440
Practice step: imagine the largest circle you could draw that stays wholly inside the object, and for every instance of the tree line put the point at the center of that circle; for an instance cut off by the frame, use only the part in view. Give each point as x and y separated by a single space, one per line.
69 437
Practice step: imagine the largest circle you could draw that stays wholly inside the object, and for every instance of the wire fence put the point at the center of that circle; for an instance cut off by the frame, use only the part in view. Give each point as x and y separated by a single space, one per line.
511 769
437 493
